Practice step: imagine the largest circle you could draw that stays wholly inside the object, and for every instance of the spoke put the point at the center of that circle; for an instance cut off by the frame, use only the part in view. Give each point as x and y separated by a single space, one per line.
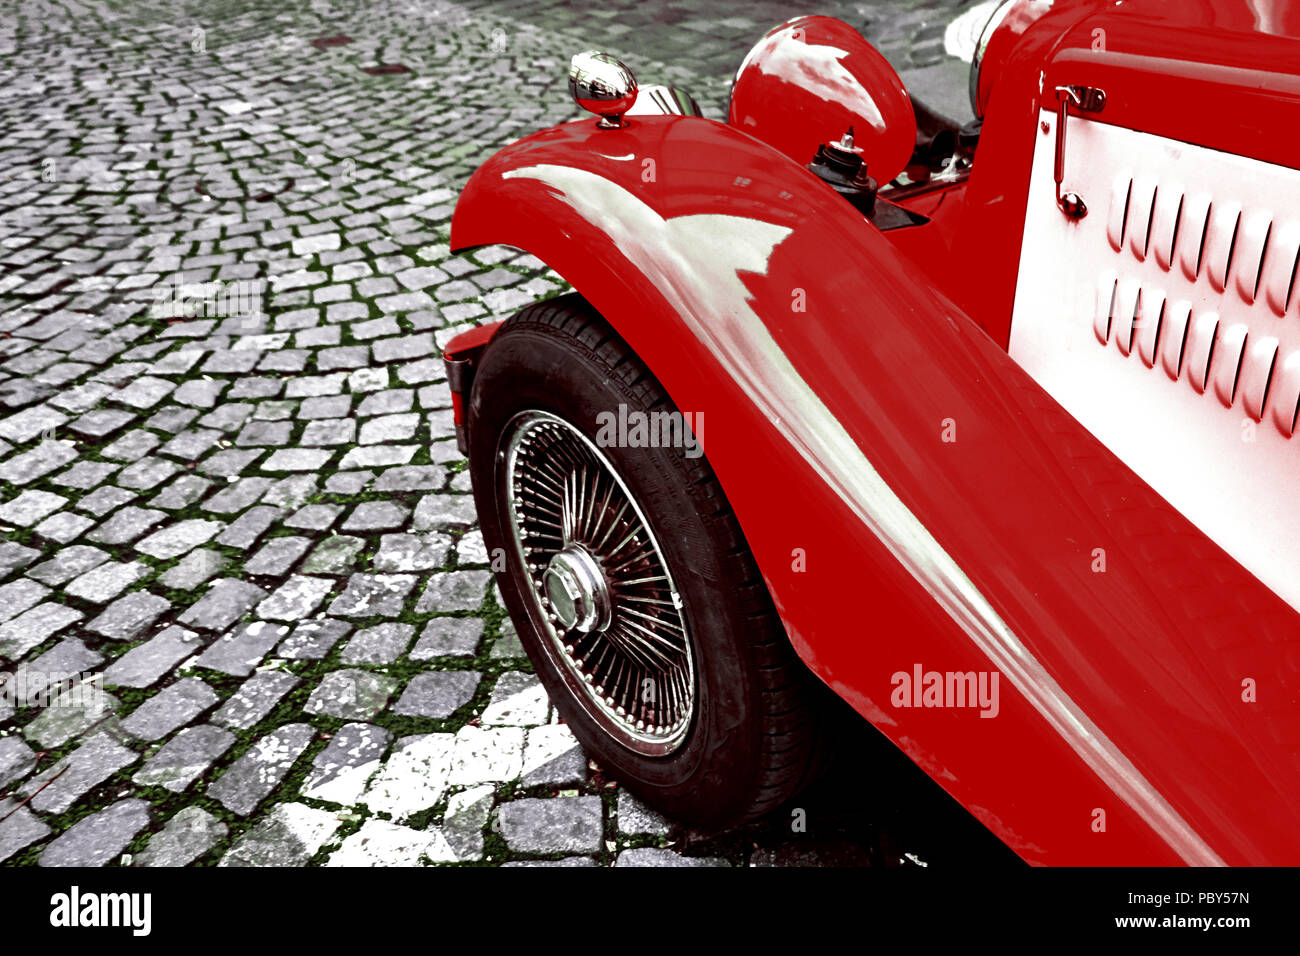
677 685
549 505
599 672
597 545
646 655
580 494
537 478
549 524
657 577
544 466
642 599
592 512
601 512
631 535
569 505
646 645
646 554
620 682
654 620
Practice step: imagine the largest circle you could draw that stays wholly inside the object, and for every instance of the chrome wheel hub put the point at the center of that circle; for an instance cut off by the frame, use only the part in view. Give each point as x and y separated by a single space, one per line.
600 586
576 590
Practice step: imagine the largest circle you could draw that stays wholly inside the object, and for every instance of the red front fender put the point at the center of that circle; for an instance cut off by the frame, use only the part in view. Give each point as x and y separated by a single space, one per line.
915 500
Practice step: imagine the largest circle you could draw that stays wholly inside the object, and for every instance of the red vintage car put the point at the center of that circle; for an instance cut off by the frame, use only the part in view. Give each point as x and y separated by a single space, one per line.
990 427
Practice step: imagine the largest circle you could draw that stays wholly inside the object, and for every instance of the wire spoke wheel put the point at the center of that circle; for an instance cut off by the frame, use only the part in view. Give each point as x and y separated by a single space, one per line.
600 586
629 580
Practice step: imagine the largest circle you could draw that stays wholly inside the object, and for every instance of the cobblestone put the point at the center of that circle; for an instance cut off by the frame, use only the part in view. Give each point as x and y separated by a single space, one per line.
381 644
413 778
448 637
174 707
289 835
412 552
648 856
30 628
227 601
145 664
19 596
187 835
635 817
98 839
185 757
481 755
296 599
194 569
454 591
57 788
19 828
129 615
438 694
559 825
351 695
69 717
376 516
106 581
251 519
552 756
368 595
517 700
341 771
312 640
380 843
252 777
238 652
254 699
16 759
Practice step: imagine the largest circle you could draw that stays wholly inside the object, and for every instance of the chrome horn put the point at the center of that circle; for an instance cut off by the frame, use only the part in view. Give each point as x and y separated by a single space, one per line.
602 85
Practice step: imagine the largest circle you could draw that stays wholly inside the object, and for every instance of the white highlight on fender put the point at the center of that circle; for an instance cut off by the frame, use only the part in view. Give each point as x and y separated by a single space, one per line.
817 68
695 261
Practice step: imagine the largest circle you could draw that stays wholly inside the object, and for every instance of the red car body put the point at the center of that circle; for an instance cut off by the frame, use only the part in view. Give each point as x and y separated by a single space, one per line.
916 493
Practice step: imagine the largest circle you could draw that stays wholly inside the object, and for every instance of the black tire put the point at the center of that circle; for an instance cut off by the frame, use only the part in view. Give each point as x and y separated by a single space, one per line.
753 740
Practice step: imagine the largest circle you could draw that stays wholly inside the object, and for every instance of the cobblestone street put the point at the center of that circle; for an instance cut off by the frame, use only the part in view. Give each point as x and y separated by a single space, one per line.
229 484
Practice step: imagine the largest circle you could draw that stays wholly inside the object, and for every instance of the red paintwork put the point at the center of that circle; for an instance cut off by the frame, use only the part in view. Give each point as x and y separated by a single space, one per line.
465 347
809 80
1170 80
1153 650
470 340
983 278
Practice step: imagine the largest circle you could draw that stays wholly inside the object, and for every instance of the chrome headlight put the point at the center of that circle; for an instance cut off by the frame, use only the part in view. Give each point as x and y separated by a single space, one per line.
994 21
603 85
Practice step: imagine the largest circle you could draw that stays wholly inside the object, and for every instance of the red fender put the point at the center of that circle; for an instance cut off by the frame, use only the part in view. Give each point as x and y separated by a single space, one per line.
808 80
915 500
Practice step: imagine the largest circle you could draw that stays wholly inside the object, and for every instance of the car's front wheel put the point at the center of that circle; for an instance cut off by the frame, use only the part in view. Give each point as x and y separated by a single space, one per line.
628 578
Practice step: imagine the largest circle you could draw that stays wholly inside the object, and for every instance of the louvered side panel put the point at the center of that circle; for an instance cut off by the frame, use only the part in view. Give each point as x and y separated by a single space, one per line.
1167 322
